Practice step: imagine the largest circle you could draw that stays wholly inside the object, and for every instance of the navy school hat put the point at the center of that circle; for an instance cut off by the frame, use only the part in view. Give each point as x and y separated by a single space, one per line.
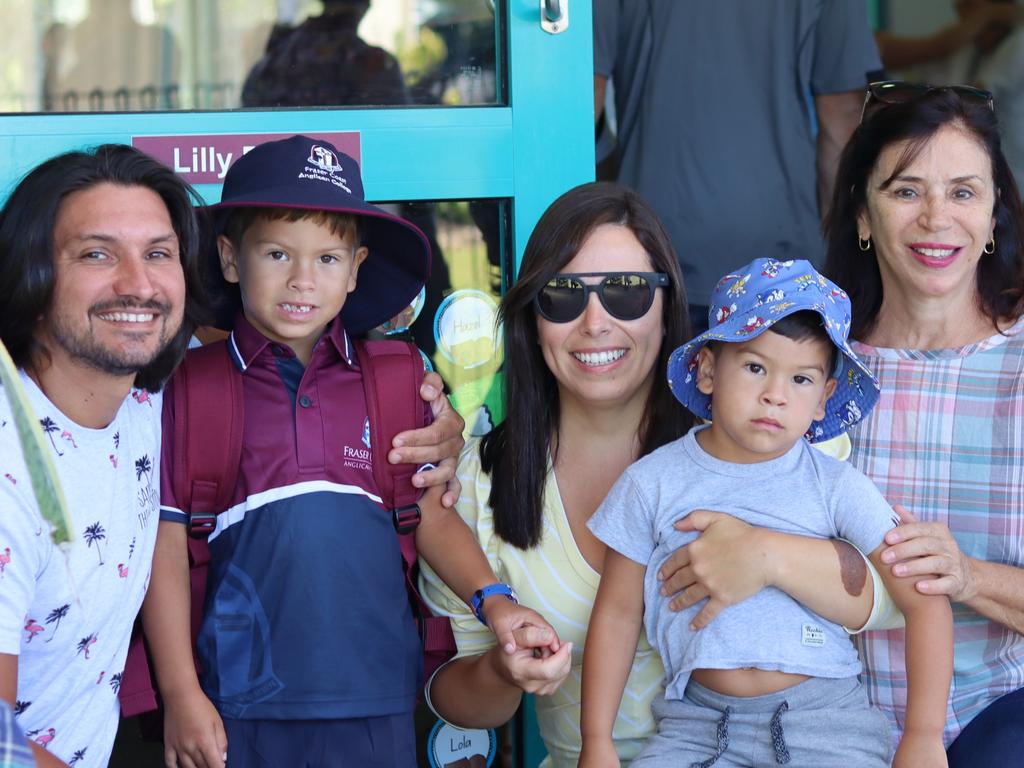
746 303
304 173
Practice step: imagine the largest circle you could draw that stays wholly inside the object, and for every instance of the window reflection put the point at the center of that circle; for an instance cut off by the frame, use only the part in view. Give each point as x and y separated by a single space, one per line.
130 55
454 323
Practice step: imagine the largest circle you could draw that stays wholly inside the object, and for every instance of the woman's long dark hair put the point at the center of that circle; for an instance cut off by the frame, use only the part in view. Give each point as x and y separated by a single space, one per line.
27 222
515 454
1000 275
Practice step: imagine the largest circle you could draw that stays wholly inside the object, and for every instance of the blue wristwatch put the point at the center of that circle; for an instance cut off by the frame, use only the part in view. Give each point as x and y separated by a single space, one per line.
490 591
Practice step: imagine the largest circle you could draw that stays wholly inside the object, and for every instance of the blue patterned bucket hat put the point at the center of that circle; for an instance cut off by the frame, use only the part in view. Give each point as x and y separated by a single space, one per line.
746 303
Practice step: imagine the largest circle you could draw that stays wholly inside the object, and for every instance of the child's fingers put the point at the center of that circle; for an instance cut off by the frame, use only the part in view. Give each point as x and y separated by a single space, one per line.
538 637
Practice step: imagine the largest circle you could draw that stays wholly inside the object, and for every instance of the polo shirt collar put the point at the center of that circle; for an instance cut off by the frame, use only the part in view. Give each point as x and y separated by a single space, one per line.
246 343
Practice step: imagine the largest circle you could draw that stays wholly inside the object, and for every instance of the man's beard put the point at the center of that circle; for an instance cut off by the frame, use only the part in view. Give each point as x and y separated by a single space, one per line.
81 346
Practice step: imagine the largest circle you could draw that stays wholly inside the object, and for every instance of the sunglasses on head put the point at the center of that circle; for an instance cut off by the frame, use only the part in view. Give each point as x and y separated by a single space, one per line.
624 295
884 92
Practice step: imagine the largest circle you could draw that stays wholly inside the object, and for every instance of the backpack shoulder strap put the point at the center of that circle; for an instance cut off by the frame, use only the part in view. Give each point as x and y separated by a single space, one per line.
208 428
392 372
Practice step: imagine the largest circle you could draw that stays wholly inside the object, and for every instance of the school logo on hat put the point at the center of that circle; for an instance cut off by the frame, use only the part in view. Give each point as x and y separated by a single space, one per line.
748 302
324 157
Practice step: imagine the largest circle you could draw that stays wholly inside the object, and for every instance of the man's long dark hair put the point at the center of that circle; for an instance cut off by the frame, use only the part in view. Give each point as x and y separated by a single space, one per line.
27 272
515 454
1000 275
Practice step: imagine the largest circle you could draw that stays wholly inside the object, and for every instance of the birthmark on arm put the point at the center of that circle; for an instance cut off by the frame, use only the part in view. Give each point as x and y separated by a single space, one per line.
851 566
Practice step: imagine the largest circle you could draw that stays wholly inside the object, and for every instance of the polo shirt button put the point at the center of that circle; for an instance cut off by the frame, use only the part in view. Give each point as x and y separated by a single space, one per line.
305 401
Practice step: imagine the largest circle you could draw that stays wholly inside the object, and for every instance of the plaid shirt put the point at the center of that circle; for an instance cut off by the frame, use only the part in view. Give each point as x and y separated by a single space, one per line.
947 440
14 749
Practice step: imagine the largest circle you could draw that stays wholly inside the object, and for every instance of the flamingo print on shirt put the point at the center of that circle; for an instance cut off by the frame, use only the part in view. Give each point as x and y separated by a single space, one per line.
43 739
5 559
33 628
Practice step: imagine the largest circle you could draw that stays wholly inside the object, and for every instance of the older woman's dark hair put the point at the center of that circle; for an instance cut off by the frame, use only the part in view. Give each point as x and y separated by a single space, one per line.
1000 275
515 454
27 254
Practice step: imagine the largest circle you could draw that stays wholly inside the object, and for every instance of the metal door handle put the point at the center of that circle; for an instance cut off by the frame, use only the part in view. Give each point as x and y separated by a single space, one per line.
554 16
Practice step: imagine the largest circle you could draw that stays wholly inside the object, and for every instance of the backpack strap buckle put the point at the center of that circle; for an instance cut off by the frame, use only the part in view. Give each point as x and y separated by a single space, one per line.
202 524
406 518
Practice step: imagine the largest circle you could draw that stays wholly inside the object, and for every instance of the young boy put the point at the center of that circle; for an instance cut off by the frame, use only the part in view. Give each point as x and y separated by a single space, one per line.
767 681
308 647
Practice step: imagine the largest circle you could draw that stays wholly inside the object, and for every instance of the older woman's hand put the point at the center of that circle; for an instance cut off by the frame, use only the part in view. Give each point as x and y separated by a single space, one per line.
727 563
929 549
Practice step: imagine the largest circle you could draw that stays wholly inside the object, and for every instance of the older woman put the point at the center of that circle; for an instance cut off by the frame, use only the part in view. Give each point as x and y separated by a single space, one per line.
925 235
597 309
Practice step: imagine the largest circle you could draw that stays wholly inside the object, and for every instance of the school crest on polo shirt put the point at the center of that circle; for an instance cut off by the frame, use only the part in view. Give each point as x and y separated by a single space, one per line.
358 456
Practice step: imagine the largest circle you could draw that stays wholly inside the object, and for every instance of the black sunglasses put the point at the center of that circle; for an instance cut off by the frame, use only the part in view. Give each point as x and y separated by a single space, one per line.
624 295
899 92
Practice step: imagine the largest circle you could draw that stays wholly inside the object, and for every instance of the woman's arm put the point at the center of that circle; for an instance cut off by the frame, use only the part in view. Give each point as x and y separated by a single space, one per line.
732 560
928 550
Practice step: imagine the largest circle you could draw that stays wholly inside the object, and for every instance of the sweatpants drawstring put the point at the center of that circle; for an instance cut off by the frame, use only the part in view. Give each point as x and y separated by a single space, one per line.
778 737
723 742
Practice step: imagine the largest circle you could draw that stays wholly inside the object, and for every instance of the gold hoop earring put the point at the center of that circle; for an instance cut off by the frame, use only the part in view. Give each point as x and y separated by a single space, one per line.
990 246
864 244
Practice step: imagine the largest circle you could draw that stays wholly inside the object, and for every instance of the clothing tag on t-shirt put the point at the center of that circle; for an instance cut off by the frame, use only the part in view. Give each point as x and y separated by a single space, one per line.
813 634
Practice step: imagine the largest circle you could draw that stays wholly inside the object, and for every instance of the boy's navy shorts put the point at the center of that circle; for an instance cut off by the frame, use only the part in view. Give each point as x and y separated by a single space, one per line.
371 742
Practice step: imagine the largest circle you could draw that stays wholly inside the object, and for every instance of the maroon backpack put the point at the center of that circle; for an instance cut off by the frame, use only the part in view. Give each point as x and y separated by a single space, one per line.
208 450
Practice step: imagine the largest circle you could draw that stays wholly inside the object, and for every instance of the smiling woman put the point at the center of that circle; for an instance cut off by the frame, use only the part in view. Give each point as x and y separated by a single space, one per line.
937 284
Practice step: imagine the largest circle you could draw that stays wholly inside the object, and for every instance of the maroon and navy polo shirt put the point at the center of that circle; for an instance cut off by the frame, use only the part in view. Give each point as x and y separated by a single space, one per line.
306 613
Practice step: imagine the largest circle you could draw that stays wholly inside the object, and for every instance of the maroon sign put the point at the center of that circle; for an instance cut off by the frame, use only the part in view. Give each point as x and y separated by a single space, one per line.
205 159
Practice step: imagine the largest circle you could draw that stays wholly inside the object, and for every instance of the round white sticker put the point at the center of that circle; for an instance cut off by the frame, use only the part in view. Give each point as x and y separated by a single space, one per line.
451 747
465 329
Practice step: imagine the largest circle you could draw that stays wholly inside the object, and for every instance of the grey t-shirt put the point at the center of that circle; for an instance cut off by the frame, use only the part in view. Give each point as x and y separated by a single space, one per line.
715 106
802 492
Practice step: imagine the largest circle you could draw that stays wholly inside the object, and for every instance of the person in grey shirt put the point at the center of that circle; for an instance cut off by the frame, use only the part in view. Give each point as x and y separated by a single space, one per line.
767 680
733 108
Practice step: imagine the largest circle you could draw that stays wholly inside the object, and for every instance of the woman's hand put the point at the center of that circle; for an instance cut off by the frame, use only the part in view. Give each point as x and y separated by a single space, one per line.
727 563
438 443
929 550
534 666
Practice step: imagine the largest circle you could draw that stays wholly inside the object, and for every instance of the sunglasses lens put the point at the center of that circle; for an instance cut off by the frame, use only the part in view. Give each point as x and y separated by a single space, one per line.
562 299
627 297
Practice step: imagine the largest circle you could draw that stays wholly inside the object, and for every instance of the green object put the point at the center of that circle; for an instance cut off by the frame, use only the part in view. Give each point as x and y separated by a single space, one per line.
41 469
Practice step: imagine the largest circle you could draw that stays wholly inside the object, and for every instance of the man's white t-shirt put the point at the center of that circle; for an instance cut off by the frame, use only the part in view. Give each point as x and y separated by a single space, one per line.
68 616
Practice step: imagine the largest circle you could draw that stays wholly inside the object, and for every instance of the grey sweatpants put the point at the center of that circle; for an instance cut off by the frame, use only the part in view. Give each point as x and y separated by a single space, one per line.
820 723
